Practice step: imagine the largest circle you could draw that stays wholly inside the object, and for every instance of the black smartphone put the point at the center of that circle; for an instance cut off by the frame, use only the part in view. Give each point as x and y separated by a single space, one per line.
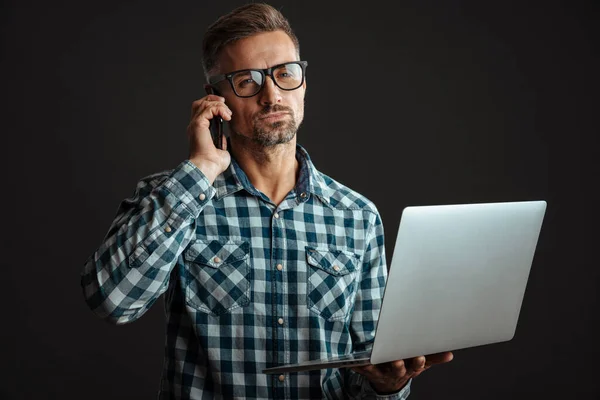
216 124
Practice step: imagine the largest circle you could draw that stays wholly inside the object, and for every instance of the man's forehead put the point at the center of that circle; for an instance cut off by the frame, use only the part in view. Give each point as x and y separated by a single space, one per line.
258 51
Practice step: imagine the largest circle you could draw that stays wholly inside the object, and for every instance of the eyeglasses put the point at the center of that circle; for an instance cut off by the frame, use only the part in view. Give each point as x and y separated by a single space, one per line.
248 82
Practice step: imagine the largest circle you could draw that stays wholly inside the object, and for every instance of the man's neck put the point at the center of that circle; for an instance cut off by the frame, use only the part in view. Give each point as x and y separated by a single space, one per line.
272 170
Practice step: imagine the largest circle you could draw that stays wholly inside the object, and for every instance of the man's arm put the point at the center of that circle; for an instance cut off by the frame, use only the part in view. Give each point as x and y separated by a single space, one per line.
131 268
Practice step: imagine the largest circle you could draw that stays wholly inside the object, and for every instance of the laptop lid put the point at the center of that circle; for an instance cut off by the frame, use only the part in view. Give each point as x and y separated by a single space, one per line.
457 277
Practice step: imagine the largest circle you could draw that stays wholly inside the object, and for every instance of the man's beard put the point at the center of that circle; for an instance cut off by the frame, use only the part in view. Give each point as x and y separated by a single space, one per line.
268 134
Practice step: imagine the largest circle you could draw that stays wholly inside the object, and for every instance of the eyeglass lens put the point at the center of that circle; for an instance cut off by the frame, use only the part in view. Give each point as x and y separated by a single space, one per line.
287 77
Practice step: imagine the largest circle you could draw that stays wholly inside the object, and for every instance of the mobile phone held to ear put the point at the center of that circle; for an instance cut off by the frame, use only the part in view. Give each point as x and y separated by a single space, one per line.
216 124
216 131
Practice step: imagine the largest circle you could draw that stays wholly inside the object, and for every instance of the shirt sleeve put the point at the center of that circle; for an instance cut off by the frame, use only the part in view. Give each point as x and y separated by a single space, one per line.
366 312
131 267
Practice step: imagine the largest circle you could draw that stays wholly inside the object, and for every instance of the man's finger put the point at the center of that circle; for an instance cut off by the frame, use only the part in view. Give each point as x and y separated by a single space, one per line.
214 97
439 358
399 367
416 364
392 368
200 104
214 110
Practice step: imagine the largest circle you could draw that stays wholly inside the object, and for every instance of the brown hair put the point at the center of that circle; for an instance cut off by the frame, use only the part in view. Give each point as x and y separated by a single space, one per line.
242 22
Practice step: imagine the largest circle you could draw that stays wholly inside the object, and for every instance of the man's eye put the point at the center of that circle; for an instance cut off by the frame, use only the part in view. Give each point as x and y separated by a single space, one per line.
285 75
246 82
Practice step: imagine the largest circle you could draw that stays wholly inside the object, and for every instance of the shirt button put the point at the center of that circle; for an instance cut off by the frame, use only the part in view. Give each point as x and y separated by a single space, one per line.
202 196
217 260
276 215
167 228
279 267
280 321
336 268
303 195
281 378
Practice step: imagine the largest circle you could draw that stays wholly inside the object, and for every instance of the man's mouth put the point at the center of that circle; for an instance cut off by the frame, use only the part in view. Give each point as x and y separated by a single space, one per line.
273 116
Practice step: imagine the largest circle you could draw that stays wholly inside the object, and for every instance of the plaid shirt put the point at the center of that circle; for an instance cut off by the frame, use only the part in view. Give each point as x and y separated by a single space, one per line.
248 284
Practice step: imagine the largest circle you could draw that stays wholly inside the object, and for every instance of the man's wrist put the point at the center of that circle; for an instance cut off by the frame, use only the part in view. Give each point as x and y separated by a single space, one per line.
208 168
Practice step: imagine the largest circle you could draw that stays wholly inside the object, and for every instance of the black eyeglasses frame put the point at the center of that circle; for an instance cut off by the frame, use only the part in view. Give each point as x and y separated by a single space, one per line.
215 79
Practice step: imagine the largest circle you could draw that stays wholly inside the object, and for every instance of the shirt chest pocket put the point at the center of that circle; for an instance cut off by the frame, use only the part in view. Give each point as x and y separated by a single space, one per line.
332 282
217 277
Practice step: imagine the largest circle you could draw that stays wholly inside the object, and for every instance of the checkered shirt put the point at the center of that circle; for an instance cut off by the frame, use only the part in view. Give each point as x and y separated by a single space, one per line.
248 284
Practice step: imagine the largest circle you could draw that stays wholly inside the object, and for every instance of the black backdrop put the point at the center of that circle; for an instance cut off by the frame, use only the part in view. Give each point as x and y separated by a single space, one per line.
425 103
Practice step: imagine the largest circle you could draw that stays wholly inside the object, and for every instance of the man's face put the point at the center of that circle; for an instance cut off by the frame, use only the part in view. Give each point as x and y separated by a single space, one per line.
273 115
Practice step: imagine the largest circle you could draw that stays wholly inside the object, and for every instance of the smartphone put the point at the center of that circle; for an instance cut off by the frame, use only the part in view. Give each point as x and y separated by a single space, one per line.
216 124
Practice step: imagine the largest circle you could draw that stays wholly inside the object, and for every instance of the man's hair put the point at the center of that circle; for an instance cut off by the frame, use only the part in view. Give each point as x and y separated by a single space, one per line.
242 22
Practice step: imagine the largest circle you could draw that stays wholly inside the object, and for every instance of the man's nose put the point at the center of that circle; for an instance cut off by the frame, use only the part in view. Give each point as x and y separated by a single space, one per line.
270 93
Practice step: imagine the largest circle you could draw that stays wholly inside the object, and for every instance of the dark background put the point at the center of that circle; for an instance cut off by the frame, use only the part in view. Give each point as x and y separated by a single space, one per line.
425 103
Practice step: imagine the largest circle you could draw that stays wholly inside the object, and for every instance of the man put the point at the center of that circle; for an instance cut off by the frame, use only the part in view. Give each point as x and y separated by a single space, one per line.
262 259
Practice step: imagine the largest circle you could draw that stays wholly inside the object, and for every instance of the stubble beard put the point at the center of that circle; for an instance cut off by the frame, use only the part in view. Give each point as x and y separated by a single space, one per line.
275 133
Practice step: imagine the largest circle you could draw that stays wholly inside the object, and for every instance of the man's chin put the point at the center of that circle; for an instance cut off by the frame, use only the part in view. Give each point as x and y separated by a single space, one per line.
275 133
274 138
272 127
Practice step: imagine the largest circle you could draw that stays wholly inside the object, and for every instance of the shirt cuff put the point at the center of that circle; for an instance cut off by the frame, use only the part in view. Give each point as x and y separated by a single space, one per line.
189 188
400 395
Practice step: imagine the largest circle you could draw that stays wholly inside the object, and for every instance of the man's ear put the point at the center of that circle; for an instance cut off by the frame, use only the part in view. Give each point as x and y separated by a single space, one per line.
304 86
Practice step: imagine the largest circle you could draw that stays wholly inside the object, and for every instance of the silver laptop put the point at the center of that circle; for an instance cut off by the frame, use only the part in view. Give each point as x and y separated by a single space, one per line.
457 280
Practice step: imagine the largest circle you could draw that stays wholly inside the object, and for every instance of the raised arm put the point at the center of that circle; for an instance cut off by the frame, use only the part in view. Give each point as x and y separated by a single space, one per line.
131 267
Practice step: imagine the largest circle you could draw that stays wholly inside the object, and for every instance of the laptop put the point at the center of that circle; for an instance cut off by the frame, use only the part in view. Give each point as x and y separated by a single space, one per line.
456 280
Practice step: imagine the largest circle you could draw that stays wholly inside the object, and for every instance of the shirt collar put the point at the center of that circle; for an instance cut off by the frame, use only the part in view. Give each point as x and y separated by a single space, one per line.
310 180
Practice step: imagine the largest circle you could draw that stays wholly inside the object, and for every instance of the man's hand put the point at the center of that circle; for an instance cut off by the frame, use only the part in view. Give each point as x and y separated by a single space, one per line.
203 153
390 377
